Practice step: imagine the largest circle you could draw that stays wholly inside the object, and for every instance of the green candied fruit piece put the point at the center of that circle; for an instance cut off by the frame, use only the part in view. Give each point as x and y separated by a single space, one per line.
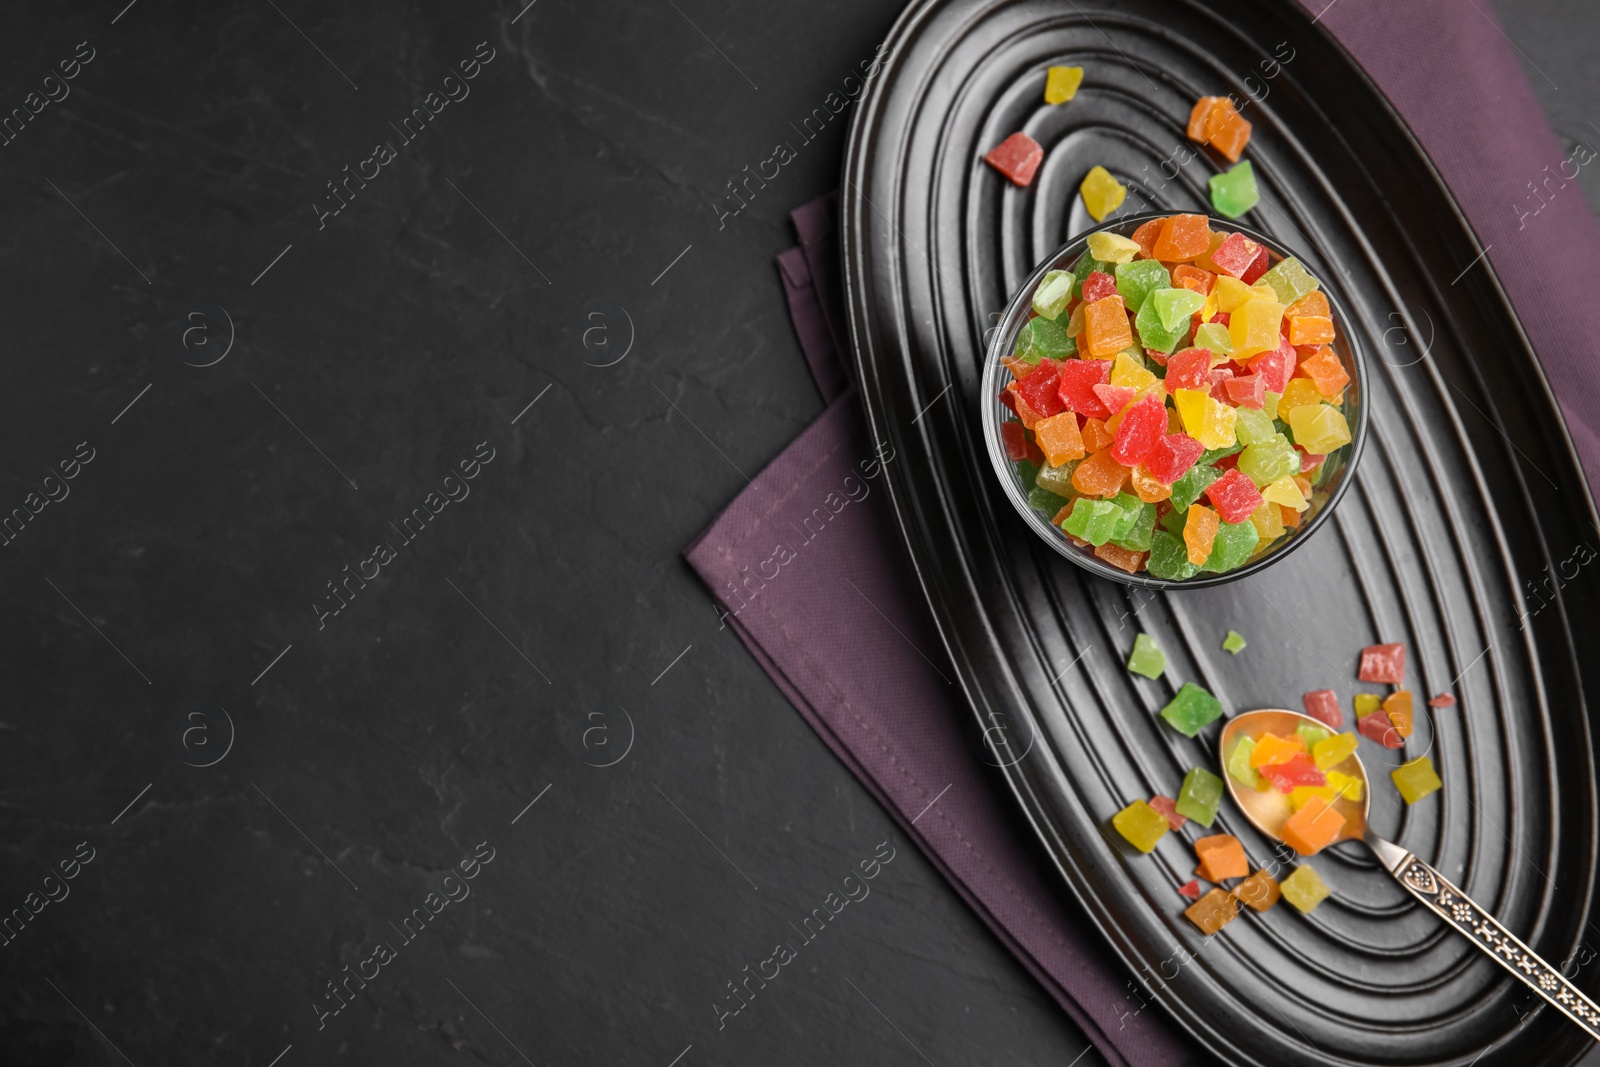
1027 472
1049 338
1264 462
1086 266
1130 506
1211 455
1234 192
1151 333
1092 520
1054 294
1042 499
1024 349
1058 479
1235 541
1169 558
1138 278
1214 336
1194 481
1270 405
1147 658
1239 768
1175 306
1199 797
1251 425
1290 281
1136 538
1234 642
1312 734
1191 709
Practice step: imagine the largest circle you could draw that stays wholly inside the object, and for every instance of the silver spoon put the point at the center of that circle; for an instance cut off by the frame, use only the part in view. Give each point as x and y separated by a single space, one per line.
1268 810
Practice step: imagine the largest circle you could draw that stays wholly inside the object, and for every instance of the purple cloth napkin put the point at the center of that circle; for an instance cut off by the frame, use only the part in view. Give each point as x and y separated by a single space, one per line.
809 564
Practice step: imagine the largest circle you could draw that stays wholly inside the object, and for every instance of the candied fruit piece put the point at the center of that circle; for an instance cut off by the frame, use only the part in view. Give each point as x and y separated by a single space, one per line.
1096 438
1142 426
1061 84
1397 706
1110 247
1319 428
1290 280
1050 299
1105 327
1169 807
1247 391
1311 734
1253 327
1234 192
1325 370
1221 857
1147 658
1379 728
1268 522
1259 891
1276 369
1188 369
1383 663
1145 236
1190 889
1313 303
1100 475
1141 825
1304 889
1152 334
1169 559
1017 444
1213 911
1124 559
1309 329
1093 521
1300 770
1239 768
1333 750
1182 237
1302 793
1234 543
1234 496
1187 488
1314 827
1231 135
1273 749
1234 642
1059 438
1076 390
1146 486
1199 797
1172 457
1138 279
1200 118
1175 306
1232 258
1415 779
1191 708
1345 785
1057 479
1102 194
1188 276
1017 157
1443 700
1199 532
1285 491
1099 285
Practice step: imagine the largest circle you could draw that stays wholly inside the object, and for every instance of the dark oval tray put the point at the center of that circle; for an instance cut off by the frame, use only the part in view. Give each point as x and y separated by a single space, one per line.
1468 491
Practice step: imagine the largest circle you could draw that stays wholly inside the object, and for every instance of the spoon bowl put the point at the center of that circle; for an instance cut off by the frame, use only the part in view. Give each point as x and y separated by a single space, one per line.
1268 809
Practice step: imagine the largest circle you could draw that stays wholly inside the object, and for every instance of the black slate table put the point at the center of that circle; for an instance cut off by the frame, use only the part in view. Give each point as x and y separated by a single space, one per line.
368 367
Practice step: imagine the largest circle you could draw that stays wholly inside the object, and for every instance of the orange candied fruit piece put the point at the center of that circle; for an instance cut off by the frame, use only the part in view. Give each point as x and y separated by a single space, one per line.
1273 748
1310 329
1058 438
1149 488
1200 120
1325 370
1199 531
1099 475
1017 367
1221 856
1397 706
1105 327
1314 827
1145 236
1231 134
1121 558
1185 276
1313 303
1290 516
1182 237
1096 437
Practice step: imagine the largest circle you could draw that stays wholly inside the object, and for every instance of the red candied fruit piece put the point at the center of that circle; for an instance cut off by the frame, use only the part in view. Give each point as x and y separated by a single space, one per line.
1078 379
1097 286
1309 460
1249 391
1380 728
1236 254
1222 318
1009 399
1323 705
1158 358
1220 376
1301 770
1142 426
1227 463
1169 807
1114 397
1041 389
1275 367
1172 457
1443 700
1017 444
1234 496
1189 369
1256 269
1384 663
1190 889
1017 157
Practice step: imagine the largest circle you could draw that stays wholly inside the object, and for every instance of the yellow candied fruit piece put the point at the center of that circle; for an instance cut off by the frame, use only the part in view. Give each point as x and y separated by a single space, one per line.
1345 785
1102 194
1298 393
1141 825
1112 247
1302 793
1415 779
1268 523
1127 371
1319 428
1061 84
1367 703
1304 889
1230 292
1253 328
1334 750
1284 491
1075 321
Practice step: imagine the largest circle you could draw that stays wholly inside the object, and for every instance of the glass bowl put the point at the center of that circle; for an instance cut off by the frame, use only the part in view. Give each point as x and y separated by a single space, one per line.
1338 468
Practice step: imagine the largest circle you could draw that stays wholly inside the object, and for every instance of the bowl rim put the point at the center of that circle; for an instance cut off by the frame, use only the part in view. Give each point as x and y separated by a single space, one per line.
999 344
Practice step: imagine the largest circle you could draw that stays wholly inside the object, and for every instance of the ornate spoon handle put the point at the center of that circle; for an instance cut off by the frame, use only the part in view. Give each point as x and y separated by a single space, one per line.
1479 927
